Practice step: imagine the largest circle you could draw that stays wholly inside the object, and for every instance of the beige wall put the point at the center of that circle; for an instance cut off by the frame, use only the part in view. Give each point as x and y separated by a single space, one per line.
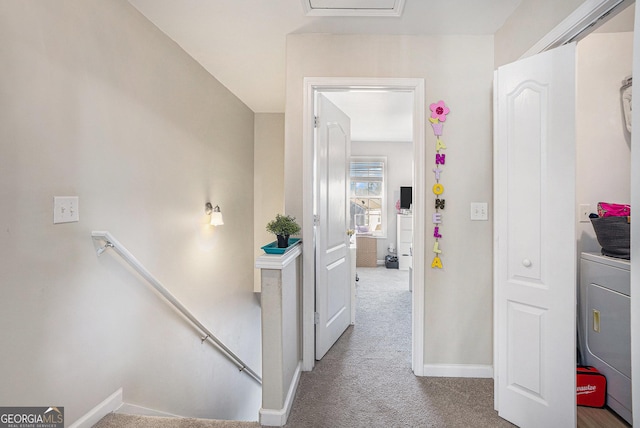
603 155
97 102
459 70
268 181
529 23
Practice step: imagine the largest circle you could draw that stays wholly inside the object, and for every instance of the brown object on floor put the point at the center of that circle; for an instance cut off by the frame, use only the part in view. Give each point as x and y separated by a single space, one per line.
367 251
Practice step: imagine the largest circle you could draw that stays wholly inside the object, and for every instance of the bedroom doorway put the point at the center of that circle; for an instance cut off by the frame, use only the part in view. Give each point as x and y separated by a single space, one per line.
313 86
380 176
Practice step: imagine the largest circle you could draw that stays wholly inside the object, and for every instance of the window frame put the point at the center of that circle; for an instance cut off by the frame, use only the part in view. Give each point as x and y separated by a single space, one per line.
382 233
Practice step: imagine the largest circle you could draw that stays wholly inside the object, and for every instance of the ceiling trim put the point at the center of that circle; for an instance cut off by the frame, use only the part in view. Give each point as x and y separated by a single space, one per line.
352 8
577 25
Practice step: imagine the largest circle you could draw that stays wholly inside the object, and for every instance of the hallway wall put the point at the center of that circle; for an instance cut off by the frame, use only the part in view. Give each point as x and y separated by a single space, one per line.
97 102
529 23
458 70
268 180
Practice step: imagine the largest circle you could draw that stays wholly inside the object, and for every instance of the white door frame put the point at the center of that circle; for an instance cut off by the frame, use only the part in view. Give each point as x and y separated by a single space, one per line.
635 234
575 27
311 86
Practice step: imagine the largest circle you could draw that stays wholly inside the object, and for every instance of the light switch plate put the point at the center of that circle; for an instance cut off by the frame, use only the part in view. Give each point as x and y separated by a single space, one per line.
479 211
65 209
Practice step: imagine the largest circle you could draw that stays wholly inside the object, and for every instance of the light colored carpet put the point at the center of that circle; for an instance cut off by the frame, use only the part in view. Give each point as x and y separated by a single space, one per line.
117 420
365 380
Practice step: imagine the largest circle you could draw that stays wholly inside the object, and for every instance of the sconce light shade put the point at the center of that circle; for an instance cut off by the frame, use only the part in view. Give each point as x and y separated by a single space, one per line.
216 215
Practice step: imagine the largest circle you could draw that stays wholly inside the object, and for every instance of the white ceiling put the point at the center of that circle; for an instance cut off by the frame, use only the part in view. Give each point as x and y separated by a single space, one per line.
377 116
242 42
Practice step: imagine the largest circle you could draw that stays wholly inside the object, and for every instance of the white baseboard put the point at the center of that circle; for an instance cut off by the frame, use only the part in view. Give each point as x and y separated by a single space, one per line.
458 370
110 404
277 418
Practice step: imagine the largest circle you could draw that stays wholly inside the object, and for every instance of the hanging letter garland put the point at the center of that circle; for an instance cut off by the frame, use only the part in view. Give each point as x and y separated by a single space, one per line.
438 115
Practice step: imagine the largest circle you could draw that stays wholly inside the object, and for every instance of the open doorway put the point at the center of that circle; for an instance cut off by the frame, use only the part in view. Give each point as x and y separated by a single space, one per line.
416 88
380 193
604 68
381 172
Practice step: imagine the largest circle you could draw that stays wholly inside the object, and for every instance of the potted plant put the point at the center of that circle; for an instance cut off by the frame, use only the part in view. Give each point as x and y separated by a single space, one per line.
283 226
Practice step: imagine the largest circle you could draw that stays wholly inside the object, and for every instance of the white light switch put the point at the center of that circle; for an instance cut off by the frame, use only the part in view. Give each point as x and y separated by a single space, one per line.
65 209
479 211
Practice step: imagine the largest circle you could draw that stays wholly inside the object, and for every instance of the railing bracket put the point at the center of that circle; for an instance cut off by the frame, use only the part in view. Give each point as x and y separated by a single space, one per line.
104 248
204 338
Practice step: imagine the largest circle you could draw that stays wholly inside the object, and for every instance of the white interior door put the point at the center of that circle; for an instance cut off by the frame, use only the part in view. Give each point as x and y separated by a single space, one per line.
333 286
535 277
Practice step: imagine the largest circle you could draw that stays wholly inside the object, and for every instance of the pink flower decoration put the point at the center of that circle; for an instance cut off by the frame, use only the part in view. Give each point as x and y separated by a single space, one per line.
439 111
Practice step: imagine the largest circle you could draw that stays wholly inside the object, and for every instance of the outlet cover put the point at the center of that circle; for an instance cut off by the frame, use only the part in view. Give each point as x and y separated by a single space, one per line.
583 211
65 209
479 211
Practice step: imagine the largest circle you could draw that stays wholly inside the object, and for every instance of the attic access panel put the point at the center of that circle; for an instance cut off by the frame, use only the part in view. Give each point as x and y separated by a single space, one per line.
353 7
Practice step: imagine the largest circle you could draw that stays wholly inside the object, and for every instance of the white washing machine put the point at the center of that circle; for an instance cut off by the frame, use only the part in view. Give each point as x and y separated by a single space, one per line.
605 325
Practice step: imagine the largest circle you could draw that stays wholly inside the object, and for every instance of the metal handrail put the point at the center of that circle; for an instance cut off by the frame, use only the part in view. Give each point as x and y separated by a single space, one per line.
111 242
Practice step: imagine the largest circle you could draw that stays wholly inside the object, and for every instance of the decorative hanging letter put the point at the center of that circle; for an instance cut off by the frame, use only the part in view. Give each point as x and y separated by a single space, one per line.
436 263
439 113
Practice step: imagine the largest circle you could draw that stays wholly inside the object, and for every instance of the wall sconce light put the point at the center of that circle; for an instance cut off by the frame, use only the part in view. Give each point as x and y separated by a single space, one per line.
214 212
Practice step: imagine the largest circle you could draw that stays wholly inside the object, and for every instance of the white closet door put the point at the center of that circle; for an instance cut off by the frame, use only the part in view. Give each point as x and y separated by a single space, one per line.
535 277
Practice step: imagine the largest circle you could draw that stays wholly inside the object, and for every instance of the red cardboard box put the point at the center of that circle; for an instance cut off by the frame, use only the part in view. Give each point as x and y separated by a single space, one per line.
591 387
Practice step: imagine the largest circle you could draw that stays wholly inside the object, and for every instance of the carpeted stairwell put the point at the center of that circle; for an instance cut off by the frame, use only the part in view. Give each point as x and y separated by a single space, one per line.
118 420
365 380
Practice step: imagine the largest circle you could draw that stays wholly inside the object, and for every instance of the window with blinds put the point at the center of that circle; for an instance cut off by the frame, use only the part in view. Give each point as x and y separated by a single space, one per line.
367 195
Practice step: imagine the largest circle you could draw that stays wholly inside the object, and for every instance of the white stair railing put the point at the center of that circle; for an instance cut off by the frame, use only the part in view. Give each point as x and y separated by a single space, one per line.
111 242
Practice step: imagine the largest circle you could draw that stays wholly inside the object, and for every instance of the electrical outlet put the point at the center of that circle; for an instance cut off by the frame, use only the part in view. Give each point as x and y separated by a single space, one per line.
479 211
583 212
65 209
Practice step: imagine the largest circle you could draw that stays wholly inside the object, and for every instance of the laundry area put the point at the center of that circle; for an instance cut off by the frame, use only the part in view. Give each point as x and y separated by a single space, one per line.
603 118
